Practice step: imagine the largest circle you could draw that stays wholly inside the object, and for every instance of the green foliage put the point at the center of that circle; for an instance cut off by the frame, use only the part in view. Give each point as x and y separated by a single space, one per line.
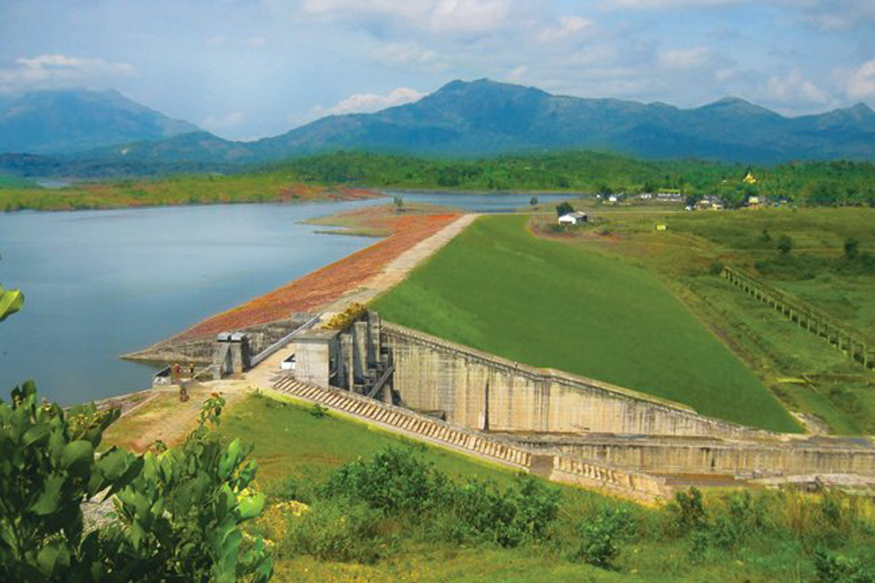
337 529
10 302
533 201
564 208
318 411
394 480
179 510
852 248
48 467
716 268
399 483
600 537
785 244
688 511
182 514
398 201
835 568
480 512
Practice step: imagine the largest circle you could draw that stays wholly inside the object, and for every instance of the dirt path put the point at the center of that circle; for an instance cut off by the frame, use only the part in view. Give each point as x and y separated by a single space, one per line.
165 418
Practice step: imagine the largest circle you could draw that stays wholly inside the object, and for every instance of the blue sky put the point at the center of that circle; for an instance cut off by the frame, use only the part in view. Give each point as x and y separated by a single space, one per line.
246 69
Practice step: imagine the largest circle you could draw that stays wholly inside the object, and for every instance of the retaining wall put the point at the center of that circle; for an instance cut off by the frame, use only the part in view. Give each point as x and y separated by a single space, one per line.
823 455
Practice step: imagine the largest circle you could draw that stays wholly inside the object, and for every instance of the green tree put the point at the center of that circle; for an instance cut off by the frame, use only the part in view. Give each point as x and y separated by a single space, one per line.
533 201
564 208
399 202
785 244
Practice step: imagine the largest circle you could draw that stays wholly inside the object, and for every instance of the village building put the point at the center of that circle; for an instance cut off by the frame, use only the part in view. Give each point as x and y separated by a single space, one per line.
574 218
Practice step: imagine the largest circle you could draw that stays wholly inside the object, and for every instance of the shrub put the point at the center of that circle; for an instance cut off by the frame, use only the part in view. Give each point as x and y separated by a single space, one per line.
337 530
480 512
785 245
716 268
600 537
688 512
834 568
394 480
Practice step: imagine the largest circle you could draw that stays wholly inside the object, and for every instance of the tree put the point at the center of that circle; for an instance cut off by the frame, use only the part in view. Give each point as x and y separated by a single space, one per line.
852 248
533 201
564 208
399 202
785 245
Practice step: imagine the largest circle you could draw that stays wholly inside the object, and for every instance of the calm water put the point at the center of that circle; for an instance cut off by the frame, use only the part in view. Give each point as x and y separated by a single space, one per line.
102 283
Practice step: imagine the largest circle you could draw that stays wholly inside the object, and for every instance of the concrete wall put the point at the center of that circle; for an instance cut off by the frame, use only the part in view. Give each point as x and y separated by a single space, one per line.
200 350
435 375
824 455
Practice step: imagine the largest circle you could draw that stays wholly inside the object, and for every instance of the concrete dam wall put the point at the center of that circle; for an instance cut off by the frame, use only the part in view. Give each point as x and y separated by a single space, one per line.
483 391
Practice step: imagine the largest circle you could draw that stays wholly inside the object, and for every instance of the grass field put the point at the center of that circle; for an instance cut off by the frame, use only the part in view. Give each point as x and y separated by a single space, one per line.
499 289
834 388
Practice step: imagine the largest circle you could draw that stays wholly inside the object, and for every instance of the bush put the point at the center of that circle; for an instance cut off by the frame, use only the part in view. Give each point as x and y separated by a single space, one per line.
834 568
716 268
600 537
394 480
337 530
398 483
480 512
688 512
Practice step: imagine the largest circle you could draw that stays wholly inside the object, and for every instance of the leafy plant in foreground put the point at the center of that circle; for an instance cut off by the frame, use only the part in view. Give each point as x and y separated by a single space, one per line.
181 516
48 467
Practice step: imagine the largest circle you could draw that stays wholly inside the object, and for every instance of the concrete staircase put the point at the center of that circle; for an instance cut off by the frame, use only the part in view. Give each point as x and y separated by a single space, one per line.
408 422
586 473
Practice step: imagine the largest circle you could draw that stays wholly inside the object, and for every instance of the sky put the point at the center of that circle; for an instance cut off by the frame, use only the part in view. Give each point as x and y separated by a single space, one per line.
248 69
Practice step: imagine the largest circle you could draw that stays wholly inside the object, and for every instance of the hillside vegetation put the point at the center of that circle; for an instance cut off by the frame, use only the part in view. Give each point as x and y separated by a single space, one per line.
813 183
497 288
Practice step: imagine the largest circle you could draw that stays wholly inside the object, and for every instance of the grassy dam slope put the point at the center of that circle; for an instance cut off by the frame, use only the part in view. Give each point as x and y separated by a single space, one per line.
499 289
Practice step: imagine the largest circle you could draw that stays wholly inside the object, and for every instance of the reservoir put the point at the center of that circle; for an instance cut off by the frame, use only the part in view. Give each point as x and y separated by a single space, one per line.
98 284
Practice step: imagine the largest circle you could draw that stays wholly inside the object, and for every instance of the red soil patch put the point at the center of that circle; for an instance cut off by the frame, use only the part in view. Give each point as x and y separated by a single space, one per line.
332 281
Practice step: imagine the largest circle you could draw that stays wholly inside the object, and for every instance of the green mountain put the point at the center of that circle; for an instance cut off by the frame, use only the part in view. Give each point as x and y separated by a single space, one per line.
485 118
62 122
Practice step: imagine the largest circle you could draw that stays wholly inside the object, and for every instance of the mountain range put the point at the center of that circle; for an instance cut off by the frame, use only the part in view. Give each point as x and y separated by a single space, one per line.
478 118
69 121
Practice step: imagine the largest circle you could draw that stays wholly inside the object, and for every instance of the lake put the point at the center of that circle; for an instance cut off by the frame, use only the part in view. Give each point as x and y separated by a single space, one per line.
102 283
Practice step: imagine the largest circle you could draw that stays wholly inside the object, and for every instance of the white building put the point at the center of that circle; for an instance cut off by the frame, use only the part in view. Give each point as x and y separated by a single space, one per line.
574 218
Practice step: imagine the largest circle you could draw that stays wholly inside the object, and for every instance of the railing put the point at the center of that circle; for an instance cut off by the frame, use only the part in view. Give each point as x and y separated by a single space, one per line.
847 341
261 356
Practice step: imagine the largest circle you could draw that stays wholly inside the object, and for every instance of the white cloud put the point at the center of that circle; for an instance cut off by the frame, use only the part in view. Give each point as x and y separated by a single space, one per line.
686 58
861 84
517 74
224 122
55 70
369 102
795 88
569 26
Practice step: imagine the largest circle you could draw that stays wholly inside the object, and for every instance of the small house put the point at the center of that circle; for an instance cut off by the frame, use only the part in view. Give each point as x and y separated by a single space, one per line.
574 218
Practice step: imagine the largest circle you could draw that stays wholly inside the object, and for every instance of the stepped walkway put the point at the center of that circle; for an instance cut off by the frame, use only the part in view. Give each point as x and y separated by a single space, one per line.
612 479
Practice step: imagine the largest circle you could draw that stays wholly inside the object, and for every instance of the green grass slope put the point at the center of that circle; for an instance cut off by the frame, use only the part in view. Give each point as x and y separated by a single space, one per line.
499 289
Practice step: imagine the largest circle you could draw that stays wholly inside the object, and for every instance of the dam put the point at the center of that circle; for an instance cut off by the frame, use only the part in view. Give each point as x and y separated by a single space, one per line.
561 426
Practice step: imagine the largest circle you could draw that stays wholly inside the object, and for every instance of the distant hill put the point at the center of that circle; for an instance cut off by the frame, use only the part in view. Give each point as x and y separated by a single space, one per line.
63 122
485 118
